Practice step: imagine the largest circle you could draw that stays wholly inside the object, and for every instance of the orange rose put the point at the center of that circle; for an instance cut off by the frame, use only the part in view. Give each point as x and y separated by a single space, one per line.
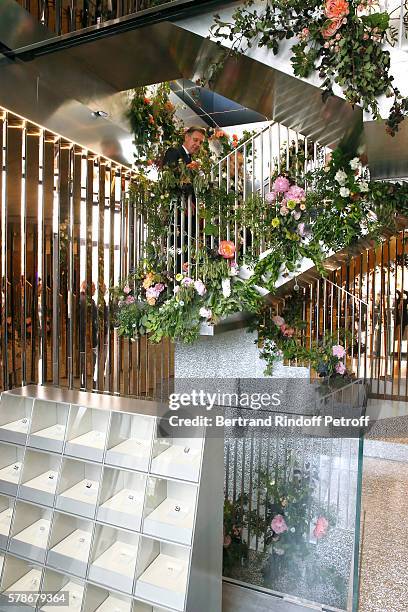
226 249
330 28
151 119
336 9
193 165
234 137
169 106
219 134
147 101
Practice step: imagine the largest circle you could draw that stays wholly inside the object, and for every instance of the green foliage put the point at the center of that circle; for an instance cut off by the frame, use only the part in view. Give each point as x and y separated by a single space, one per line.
346 50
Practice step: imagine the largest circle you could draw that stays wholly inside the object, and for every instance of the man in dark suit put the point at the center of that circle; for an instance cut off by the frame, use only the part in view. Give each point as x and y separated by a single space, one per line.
193 139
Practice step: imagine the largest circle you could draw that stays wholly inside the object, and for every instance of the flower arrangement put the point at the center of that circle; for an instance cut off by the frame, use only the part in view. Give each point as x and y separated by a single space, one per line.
290 206
291 521
341 40
153 122
156 303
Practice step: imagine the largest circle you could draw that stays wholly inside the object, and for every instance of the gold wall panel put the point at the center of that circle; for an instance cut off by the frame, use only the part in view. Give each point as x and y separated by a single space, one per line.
67 234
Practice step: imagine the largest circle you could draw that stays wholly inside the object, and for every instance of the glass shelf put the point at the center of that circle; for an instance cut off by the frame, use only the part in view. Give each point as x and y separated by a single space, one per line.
87 432
30 531
19 575
113 559
78 487
70 544
162 573
169 510
11 462
48 426
130 441
122 497
15 418
54 582
40 477
177 458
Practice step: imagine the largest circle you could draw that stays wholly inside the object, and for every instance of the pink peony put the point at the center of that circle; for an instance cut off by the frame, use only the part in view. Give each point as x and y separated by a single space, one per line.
130 299
295 193
321 527
278 524
279 321
338 351
200 287
340 368
270 197
281 184
159 287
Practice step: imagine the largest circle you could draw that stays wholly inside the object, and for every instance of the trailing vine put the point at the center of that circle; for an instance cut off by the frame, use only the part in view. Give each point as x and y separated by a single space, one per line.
341 40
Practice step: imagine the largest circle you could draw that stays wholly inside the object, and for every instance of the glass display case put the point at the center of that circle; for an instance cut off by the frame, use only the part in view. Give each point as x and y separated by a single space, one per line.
49 422
95 504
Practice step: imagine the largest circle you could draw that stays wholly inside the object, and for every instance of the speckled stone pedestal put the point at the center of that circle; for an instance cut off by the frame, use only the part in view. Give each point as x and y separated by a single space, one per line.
230 354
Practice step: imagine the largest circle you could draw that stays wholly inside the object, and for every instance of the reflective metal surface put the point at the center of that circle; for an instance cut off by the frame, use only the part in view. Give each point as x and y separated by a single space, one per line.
66 238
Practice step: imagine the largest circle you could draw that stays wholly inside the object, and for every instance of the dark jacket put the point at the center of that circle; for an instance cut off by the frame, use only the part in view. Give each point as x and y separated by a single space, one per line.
171 158
174 154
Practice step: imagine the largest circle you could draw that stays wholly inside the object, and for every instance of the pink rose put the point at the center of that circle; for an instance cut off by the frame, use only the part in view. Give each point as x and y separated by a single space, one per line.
336 9
126 289
338 351
321 527
331 28
278 524
226 249
227 541
130 299
284 211
340 368
279 321
281 184
287 331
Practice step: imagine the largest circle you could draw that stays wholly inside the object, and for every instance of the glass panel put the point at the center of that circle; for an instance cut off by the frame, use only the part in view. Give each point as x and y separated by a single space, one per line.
291 511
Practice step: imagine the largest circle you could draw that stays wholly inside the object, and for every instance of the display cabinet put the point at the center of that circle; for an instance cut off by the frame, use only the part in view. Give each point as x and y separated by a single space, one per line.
95 504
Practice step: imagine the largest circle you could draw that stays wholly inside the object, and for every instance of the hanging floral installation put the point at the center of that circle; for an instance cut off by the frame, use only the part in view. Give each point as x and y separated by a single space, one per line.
341 40
308 216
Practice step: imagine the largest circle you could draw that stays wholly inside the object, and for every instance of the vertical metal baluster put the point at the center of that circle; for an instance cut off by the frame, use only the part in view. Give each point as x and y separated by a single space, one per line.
189 227
4 247
23 217
244 204
228 190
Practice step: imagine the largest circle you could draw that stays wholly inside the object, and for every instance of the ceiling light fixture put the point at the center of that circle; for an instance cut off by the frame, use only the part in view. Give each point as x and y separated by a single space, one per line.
100 113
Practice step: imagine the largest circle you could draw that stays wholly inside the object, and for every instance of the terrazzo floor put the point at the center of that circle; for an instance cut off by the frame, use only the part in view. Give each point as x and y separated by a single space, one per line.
384 554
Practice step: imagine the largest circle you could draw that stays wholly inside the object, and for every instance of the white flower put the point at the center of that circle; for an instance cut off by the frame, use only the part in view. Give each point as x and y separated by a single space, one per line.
205 312
364 186
181 303
340 177
344 192
226 287
354 163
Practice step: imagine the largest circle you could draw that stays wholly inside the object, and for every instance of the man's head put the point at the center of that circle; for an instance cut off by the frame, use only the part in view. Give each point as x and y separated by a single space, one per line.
193 139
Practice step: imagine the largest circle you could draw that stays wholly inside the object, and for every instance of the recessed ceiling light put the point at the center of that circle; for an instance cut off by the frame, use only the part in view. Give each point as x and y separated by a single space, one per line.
100 113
